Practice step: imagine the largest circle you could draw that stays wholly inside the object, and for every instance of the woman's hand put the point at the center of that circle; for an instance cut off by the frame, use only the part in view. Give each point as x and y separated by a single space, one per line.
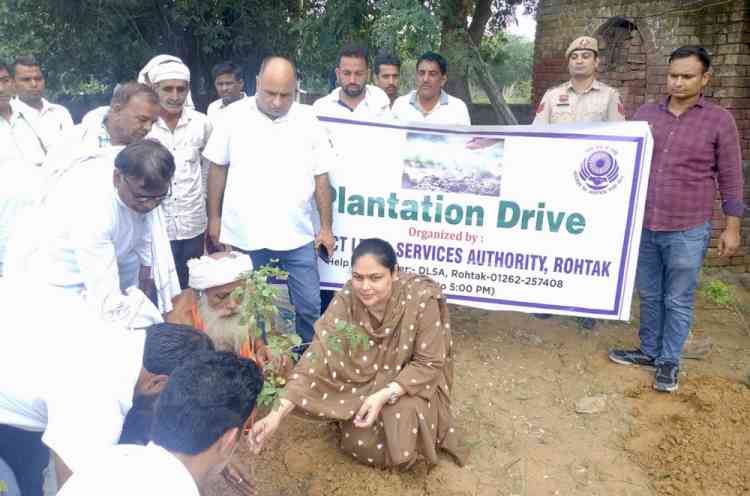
370 409
262 430
265 427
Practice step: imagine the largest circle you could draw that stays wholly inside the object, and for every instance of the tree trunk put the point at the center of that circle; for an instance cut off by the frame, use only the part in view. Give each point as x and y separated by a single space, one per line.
495 95
490 87
460 46
454 48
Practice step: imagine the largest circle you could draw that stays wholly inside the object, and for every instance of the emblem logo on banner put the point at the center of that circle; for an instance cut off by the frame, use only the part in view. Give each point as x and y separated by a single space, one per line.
599 172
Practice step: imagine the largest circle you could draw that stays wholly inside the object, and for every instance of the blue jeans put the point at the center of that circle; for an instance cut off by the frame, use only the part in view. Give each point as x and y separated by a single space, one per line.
669 263
303 283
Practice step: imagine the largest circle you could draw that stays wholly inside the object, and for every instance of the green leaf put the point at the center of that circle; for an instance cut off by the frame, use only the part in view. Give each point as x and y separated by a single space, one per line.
296 339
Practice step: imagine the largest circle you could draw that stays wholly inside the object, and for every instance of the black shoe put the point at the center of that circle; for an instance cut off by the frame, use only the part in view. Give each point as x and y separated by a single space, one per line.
666 377
587 323
631 357
541 316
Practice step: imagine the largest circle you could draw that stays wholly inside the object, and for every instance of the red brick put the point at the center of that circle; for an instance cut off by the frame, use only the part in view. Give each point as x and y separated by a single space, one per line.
738 82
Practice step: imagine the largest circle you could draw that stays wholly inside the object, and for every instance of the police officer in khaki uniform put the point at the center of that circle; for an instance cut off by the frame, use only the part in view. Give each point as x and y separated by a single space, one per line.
583 98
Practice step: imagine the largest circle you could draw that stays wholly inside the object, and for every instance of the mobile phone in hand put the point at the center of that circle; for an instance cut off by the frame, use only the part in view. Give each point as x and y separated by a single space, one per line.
323 253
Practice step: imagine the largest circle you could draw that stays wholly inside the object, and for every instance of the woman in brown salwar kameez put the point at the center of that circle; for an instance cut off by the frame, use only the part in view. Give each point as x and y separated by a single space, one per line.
392 400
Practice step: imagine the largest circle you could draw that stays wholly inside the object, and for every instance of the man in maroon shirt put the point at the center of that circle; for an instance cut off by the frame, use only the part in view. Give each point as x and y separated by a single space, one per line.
696 146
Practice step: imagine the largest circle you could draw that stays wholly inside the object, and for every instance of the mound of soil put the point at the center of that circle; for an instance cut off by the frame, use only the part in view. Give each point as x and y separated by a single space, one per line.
519 383
696 442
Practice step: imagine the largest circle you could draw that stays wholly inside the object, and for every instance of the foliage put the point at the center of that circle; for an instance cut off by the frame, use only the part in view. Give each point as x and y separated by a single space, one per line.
87 45
405 27
719 293
78 40
510 55
325 26
347 333
257 313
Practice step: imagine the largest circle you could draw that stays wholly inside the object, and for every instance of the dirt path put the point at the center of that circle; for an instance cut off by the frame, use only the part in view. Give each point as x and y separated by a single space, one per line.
518 381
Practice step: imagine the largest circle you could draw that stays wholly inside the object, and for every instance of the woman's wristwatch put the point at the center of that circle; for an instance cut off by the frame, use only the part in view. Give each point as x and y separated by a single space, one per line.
392 393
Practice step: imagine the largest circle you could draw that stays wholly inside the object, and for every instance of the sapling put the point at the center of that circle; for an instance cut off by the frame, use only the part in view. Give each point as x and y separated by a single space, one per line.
258 311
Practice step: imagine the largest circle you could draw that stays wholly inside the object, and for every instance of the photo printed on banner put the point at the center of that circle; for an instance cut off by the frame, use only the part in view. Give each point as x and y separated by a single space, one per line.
452 163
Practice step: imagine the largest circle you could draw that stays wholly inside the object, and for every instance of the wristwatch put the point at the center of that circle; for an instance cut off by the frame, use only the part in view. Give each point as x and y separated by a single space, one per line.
392 393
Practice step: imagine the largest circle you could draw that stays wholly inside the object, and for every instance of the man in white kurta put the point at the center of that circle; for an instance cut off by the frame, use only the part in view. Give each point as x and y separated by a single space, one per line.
68 379
49 120
53 384
132 112
99 232
184 132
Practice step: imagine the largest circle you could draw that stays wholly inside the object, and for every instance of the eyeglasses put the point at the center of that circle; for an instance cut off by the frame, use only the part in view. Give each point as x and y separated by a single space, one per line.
147 198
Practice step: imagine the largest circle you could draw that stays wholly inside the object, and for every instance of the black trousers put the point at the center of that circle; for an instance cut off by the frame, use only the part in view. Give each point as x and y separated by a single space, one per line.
182 251
326 297
27 456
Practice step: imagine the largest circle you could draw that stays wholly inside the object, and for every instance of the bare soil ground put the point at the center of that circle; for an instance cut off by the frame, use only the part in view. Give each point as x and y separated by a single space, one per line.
518 382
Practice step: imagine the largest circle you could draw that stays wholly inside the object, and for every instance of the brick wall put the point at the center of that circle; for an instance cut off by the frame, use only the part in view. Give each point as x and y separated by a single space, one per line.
636 38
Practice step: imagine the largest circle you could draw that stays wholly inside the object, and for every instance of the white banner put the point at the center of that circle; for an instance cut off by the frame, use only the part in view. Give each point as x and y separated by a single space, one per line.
533 219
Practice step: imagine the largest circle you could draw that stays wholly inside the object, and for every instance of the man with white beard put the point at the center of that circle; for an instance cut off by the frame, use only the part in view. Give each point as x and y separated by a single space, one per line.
208 304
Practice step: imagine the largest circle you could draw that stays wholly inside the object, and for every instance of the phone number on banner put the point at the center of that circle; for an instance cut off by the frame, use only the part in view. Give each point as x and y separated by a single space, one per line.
478 288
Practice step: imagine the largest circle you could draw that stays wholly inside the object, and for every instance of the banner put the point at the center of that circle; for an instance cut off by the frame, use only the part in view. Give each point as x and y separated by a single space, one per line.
532 219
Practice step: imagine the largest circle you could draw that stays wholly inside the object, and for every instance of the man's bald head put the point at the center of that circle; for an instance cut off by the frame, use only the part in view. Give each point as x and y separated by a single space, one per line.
276 86
277 63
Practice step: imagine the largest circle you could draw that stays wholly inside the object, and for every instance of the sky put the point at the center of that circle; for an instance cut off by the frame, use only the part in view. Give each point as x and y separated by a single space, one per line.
526 25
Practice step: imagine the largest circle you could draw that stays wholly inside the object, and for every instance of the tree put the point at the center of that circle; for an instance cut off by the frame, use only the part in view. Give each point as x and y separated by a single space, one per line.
85 43
464 24
111 39
325 26
510 59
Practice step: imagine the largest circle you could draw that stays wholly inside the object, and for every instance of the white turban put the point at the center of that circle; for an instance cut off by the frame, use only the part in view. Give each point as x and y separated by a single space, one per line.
169 70
159 59
171 63
208 272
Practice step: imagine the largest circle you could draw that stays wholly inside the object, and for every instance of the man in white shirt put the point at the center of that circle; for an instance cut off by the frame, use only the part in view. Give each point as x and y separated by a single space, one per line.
67 379
278 152
19 187
354 98
230 87
143 74
429 103
98 232
49 120
197 425
184 131
132 112
19 152
386 74
18 140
